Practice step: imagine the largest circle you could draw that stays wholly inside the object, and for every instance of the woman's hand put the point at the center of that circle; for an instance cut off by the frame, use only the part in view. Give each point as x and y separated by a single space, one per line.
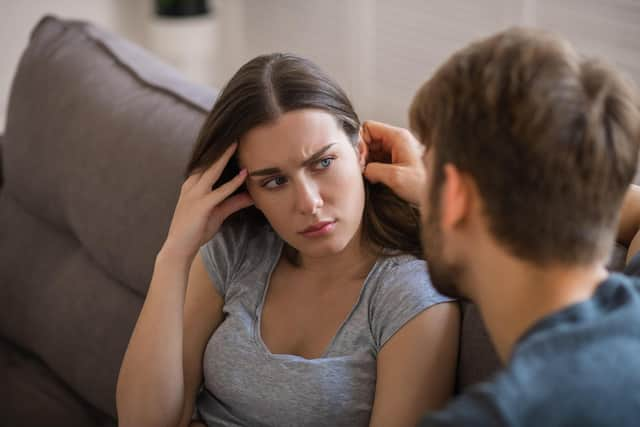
200 211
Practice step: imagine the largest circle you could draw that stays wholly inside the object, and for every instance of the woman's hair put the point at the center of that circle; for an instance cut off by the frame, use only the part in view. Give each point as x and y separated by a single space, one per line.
269 86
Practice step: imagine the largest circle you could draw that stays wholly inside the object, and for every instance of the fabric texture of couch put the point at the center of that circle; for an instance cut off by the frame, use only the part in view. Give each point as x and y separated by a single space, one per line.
98 135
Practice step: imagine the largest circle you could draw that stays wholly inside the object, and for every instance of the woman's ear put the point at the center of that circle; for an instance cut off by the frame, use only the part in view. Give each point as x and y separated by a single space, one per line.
362 150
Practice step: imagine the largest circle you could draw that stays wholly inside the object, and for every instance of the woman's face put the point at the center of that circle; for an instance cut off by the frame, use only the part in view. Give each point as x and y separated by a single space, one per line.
306 178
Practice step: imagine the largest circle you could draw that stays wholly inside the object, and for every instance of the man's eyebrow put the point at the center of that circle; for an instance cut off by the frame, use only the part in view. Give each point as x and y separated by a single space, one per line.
311 159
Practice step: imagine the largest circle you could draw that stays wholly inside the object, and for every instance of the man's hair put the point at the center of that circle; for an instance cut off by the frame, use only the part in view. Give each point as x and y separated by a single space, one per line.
550 139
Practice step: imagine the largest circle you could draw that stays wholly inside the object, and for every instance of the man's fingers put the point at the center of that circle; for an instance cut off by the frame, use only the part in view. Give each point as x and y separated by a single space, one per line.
378 133
379 172
404 181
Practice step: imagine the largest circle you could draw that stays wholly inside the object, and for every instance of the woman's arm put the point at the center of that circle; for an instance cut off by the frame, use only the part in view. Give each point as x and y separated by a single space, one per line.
416 367
202 316
162 367
150 388
160 370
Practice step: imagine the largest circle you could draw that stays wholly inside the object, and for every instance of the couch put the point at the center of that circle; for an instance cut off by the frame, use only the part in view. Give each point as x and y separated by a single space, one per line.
98 134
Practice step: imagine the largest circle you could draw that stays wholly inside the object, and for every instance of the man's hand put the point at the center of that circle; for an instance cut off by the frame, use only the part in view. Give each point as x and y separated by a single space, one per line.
395 159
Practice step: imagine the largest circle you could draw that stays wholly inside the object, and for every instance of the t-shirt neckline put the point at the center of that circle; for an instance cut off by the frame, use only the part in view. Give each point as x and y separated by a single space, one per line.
257 320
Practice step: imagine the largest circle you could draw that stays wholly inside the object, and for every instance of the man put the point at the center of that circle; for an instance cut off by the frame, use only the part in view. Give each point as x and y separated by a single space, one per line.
529 152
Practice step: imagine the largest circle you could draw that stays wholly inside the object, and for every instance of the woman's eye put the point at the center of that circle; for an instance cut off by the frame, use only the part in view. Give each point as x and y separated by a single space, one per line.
274 182
325 163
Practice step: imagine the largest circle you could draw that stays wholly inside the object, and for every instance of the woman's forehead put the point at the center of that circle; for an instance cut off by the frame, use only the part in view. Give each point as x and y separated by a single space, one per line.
297 134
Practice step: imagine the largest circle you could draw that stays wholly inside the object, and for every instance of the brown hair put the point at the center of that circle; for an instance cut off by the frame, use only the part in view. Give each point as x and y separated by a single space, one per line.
267 87
550 138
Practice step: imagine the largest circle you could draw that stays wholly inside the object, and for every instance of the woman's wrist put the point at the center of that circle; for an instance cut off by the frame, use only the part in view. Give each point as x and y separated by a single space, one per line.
171 258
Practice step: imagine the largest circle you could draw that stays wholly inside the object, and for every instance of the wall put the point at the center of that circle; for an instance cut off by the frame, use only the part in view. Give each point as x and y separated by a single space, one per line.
379 51
17 18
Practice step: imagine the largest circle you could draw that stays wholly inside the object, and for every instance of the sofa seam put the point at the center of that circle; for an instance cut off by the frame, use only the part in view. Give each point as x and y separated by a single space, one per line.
71 232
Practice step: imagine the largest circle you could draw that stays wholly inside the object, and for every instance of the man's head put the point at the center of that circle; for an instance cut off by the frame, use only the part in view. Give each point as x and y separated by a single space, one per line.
546 139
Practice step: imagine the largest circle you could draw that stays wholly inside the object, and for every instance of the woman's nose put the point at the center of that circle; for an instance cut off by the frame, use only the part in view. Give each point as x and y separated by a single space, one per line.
308 199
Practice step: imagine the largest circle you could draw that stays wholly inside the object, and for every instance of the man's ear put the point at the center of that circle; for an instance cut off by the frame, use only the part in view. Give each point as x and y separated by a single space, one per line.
362 151
456 197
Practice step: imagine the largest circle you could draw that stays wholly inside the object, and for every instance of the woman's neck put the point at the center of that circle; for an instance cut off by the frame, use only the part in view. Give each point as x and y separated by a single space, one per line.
354 261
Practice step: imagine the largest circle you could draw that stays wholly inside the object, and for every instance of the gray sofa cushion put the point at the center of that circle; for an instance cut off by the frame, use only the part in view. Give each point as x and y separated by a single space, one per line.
31 395
478 360
83 119
97 137
98 134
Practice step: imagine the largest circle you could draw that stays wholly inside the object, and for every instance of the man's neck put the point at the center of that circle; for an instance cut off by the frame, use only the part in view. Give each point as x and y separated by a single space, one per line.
513 295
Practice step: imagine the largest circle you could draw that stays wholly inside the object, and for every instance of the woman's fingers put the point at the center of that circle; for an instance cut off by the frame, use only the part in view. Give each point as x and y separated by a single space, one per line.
218 195
200 211
232 205
211 174
191 180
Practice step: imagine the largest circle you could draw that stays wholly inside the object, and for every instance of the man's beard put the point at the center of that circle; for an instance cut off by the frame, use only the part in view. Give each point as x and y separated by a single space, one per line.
445 276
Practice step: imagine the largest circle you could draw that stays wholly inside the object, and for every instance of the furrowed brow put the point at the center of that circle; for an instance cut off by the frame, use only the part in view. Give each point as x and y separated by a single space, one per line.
275 171
317 155
265 172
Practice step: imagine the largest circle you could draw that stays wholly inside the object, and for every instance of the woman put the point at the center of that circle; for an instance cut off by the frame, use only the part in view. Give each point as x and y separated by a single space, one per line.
308 306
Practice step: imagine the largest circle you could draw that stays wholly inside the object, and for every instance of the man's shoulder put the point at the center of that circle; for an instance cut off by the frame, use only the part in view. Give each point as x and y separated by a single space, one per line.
484 404
575 367
595 337
558 391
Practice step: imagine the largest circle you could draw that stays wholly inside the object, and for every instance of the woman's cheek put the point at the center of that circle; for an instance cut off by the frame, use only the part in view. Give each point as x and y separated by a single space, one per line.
268 204
258 196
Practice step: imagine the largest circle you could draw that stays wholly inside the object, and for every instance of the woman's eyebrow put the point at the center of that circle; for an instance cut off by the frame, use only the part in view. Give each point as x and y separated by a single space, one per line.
311 159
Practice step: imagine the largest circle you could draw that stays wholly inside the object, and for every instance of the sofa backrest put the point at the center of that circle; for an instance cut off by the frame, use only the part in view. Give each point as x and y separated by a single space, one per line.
97 137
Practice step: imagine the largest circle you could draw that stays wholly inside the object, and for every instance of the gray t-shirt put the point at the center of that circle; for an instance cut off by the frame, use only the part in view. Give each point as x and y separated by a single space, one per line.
245 384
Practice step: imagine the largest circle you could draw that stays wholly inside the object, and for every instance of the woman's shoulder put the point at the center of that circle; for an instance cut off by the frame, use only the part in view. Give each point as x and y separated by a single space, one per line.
401 276
237 244
401 290
401 265
244 237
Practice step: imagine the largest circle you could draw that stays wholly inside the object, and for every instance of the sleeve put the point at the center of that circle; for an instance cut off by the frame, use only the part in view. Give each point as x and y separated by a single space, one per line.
477 407
401 294
223 253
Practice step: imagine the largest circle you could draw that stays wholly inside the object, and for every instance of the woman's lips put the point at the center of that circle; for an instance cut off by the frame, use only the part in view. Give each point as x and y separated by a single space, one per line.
319 229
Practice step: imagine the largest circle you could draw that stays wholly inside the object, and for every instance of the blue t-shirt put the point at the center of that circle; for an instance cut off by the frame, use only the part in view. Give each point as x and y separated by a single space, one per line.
577 367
